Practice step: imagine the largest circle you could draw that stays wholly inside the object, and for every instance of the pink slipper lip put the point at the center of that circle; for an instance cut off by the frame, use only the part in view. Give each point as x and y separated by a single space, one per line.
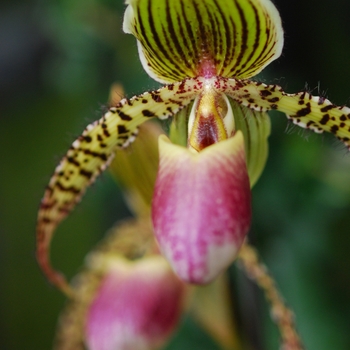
137 306
201 208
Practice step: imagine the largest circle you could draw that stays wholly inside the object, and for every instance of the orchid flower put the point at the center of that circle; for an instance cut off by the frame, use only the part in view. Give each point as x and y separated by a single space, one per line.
126 297
204 51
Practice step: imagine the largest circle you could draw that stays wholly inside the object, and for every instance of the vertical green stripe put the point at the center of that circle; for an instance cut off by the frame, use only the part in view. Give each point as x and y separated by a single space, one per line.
238 37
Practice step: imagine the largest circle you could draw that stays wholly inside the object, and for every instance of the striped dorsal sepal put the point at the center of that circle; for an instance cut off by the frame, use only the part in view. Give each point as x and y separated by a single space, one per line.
178 39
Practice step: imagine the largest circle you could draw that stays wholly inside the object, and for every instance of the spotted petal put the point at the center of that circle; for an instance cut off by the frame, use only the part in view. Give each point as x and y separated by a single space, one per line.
188 38
305 110
91 153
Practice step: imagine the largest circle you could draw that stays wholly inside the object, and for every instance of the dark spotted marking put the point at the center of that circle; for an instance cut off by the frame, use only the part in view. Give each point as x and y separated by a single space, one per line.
46 206
106 133
156 98
124 116
102 156
182 86
86 173
122 129
67 189
274 99
327 108
265 93
304 111
87 139
46 220
73 161
334 129
324 119
147 113
343 118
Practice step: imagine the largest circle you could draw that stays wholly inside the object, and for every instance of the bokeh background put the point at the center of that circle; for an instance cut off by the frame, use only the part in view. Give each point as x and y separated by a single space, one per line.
58 60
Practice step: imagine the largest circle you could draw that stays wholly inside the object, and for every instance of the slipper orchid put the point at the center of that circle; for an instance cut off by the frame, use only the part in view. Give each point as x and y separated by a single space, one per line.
143 286
205 51
121 293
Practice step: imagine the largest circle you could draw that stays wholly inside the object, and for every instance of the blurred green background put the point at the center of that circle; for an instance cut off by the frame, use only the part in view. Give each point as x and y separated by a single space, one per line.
58 60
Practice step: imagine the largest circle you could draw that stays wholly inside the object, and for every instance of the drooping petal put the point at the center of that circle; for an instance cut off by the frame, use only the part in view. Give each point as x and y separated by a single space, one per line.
178 130
136 170
201 207
137 306
91 153
311 112
255 127
188 38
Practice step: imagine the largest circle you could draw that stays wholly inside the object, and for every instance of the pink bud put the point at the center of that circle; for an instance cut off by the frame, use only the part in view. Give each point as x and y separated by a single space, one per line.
136 307
201 207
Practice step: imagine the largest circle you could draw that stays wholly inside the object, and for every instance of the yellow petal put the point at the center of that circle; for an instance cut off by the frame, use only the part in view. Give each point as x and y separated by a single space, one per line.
311 112
91 153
